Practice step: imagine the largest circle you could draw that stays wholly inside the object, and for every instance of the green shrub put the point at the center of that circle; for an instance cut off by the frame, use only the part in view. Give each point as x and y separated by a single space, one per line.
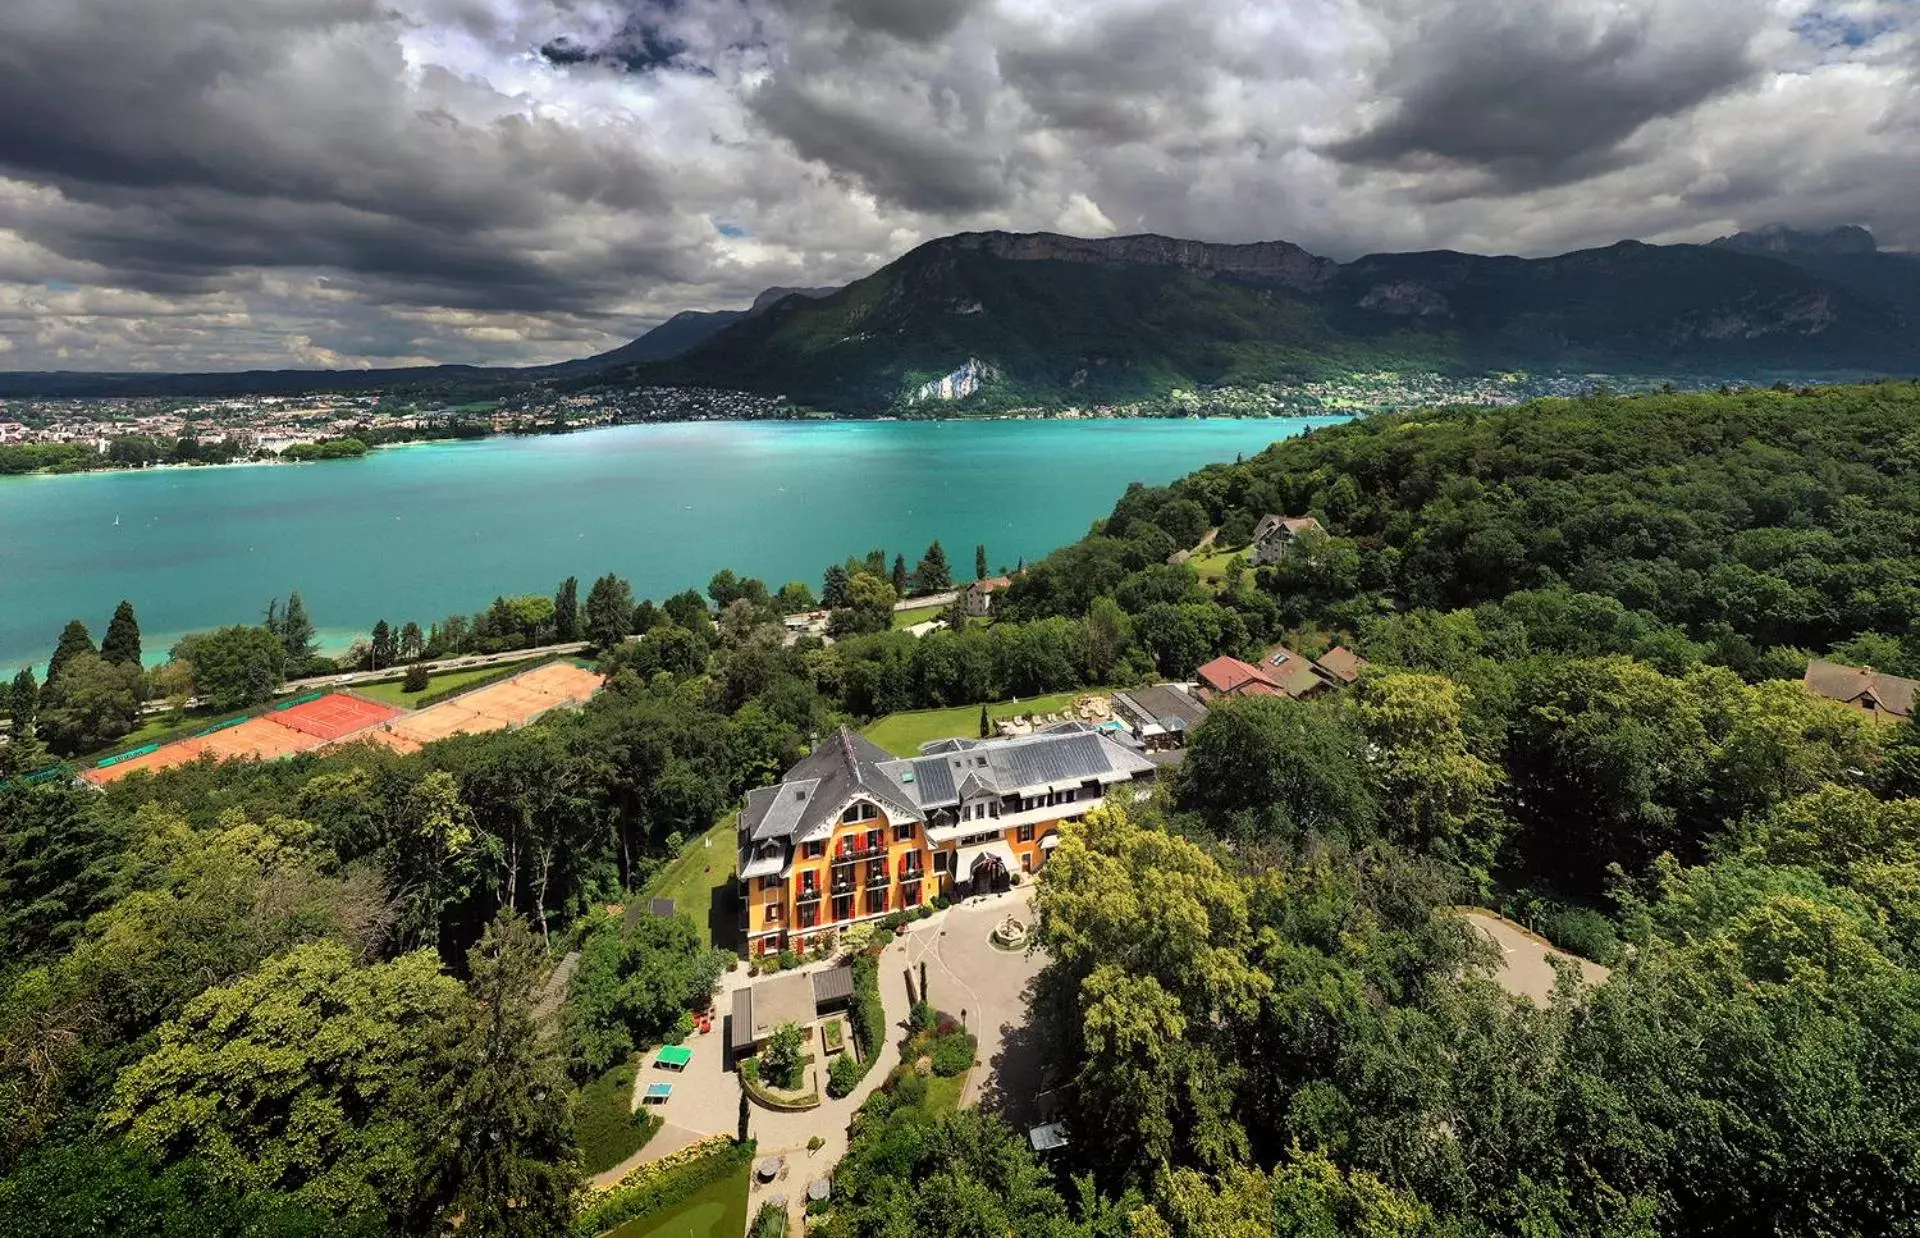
909 1088
417 678
952 1054
923 913
843 1076
940 902
605 1123
770 1221
781 1059
920 1018
1582 931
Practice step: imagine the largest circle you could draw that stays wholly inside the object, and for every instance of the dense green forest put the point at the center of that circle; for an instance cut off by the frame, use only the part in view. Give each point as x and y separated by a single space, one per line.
281 998
1058 321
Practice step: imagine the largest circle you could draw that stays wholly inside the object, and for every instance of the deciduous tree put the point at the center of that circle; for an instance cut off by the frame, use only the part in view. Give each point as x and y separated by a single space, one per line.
235 667
356 1051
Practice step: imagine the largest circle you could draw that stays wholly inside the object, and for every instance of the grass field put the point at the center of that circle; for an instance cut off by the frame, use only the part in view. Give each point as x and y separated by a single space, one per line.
700 882
943 1094
1212 566
903 619
717 1210
604 1120
902 734
392 692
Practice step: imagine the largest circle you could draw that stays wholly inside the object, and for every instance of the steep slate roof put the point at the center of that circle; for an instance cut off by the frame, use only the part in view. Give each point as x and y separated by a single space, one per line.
970 768
1850 683
1294 525
817 788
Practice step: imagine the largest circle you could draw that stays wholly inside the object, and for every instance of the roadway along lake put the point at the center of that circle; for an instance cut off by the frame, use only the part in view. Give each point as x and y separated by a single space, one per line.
423 531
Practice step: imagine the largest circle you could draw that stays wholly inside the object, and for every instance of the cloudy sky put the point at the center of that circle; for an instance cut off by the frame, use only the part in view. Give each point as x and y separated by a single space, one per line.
217 184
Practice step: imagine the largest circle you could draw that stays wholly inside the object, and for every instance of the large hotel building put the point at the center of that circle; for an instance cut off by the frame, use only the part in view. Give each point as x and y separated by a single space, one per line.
852 833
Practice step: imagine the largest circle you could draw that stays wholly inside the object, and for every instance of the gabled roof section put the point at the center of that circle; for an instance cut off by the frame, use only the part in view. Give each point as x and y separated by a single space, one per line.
1342 663
970 768
1289 671
1229 675
1849 684
1165 704
819 787
1294 525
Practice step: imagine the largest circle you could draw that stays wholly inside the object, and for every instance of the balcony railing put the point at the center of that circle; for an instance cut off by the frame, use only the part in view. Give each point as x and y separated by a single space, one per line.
808 894
877 880
848 852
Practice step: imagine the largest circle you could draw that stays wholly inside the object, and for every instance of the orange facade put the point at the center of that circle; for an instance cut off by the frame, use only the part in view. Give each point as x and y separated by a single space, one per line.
866 869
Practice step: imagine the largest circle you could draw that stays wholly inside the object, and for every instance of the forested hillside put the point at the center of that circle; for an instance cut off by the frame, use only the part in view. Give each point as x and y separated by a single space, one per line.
291 997
1063 320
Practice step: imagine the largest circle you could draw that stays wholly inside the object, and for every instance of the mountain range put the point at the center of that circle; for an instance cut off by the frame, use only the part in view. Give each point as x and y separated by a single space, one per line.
1002 318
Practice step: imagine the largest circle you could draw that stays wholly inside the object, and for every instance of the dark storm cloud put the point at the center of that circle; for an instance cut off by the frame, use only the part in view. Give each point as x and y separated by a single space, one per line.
916 21
901 163
1537 93
209 135
195 183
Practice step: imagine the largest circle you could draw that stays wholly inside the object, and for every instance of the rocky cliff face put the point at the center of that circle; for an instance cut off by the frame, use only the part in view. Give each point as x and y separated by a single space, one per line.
1778 239
958 385
1264 262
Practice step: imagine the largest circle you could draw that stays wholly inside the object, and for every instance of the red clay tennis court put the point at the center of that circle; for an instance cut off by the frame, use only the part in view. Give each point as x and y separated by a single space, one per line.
255 739
334 715
496 707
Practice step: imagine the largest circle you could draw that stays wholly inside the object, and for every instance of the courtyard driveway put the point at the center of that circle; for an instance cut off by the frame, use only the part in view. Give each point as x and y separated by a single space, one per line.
965 972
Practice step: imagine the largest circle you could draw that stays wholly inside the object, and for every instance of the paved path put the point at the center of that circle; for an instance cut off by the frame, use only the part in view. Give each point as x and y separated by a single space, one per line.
1525 970
926 600
964 972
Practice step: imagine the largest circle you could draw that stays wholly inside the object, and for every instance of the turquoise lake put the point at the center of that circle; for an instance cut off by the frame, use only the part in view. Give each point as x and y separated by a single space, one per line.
423 531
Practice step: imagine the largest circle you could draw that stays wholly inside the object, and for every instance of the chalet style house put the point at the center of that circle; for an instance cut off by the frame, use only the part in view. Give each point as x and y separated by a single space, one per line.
853 833
1888 698
1280 672
980 595
1274 536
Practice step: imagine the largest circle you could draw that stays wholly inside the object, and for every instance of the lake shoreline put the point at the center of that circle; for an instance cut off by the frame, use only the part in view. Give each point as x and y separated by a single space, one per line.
421 534
968 418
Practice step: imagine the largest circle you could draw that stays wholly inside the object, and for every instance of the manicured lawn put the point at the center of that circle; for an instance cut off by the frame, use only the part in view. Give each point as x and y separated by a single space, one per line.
903 733
903 619
717 1210
1212 566
608 1128
943 1094
393 691
700 883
